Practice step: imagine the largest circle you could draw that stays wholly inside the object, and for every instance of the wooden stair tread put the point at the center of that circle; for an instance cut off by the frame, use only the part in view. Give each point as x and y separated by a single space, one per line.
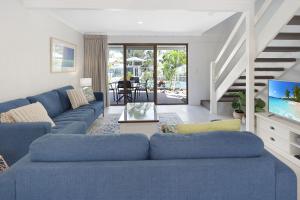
240 90
244 84
275 60
269 69
295 20
287 36
258 77
282 49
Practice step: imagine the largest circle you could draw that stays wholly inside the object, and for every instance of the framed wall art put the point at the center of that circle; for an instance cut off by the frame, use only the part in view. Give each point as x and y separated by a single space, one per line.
62 56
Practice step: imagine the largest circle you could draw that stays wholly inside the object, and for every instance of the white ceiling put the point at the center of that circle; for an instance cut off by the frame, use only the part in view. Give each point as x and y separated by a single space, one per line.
140 22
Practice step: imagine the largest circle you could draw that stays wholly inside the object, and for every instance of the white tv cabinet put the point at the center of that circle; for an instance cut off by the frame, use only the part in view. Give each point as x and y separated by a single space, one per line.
280 138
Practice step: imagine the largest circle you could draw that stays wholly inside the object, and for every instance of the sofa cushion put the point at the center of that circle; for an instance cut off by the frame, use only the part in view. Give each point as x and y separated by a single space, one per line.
70 147
205 145
97 106
6 106
65 101
69 127
86 115
51 101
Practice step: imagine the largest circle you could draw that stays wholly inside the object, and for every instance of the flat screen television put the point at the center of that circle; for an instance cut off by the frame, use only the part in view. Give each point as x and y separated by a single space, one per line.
284 99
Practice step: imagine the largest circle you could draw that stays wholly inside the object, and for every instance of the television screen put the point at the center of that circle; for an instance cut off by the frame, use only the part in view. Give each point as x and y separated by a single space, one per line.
284 99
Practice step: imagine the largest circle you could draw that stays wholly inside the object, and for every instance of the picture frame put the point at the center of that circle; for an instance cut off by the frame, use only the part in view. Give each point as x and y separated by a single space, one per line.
62 56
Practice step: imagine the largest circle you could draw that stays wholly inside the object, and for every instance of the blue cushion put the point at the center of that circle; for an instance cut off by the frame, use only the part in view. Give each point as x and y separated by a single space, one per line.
51 101
66 104
6 106
97 106
81 114
69 147
205 145
69 127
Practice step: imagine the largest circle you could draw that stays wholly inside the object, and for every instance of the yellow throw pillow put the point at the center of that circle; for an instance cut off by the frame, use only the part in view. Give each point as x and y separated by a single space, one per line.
31 113
223 125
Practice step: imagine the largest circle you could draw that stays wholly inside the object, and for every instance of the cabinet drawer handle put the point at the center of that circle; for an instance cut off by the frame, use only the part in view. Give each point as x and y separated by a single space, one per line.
272 139
272 128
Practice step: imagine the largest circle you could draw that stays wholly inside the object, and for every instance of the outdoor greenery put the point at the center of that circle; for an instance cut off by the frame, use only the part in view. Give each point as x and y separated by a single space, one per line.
239 103
296 94
171 61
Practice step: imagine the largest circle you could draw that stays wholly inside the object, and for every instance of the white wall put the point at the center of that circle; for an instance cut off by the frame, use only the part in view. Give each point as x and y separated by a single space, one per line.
293 74
25 51
202 50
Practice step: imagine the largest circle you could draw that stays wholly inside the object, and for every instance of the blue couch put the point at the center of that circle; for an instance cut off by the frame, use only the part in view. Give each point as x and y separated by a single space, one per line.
207 166
16 138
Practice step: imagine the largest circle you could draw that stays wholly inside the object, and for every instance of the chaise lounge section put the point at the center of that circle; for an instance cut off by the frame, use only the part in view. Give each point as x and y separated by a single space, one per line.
15 138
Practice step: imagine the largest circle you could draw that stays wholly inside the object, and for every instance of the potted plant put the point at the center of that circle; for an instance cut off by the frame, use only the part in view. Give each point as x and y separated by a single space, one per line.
260 105
239 105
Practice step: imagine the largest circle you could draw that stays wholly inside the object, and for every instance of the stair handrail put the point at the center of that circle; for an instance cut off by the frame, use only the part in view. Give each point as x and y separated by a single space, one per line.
231 36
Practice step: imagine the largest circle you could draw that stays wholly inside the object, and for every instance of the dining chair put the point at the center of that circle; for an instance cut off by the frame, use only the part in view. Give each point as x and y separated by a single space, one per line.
124 89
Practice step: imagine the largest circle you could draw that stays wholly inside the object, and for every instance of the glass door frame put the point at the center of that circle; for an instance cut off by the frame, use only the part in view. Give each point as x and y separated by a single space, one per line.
154 45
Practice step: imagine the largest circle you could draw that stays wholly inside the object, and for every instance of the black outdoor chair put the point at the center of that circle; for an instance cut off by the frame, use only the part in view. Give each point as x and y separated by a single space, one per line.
124 89
112 87
144 87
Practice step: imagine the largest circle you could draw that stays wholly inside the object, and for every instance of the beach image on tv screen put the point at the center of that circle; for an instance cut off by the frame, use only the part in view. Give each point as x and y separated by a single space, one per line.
284 99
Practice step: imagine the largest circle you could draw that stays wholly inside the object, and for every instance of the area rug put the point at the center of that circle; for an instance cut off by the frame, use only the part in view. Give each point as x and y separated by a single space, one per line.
109 124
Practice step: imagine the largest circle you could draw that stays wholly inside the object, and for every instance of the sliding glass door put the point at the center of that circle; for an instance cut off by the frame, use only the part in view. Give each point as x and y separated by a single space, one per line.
140 72
148 73
171 74
115 72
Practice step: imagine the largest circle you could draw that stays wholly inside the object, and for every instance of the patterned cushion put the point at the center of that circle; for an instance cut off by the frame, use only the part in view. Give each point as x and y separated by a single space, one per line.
89 94
3 164
6 118
31 113
77 98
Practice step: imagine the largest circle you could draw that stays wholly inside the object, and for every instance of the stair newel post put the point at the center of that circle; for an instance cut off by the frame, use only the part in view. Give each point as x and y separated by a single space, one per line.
250 51
213 99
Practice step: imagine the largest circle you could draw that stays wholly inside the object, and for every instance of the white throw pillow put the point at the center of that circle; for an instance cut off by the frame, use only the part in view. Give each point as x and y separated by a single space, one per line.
31 113
89 94
77 98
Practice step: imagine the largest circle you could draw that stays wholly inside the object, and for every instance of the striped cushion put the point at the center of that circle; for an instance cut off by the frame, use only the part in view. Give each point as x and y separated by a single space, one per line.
6 118
77 98
31 113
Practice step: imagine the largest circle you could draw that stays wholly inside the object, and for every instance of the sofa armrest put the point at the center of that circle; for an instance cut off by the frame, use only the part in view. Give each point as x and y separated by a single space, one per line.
286 182
99 96
15 138
7 185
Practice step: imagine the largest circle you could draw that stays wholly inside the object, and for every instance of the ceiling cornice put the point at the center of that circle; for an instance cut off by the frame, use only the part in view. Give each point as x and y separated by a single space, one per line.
197 5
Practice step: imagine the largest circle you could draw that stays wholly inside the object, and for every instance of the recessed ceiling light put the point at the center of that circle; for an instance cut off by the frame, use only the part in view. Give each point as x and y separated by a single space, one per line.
140 22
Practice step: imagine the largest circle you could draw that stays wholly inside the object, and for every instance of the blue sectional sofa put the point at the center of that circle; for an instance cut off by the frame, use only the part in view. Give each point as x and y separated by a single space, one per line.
16 138
206 166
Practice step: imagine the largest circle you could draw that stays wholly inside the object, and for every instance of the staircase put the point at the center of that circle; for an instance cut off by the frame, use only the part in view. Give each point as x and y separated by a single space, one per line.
277 51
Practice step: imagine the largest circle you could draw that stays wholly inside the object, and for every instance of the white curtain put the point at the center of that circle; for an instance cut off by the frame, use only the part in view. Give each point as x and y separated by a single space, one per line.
95 63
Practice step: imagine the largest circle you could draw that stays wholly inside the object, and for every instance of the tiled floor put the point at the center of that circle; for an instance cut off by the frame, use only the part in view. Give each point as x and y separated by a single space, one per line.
188 114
